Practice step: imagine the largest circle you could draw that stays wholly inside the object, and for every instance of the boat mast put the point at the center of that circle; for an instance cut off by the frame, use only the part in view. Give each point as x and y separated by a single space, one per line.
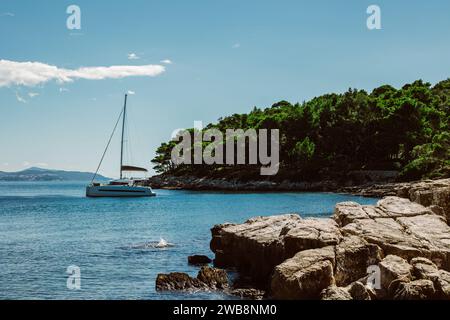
123 131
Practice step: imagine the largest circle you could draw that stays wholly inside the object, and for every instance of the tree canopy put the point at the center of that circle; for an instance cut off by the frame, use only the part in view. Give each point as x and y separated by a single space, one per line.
403 129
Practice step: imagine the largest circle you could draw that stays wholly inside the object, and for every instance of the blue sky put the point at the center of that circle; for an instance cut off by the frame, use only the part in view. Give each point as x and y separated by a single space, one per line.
227 56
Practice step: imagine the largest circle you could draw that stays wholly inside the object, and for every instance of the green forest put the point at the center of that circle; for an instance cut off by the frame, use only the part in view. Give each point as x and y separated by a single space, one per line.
406 130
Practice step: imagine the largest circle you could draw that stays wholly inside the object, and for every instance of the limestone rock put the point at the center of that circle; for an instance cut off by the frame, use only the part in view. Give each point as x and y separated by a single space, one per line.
428 193
353 256
415 290
442 284
249 293
347 212
207 279
310 234
213 278
359 291
402 228
295 258
335 293
305 275
425 269
400 207
258 245
394 268
178 281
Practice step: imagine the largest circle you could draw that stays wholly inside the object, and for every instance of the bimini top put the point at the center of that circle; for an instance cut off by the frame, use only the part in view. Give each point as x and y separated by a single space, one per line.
132 168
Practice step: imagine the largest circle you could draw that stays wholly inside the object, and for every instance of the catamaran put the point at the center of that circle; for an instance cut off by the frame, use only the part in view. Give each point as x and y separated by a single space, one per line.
122 187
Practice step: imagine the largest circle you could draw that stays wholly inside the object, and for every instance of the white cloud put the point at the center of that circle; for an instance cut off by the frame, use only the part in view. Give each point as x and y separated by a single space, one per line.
5 164
33 94
20 98
133 56
166 61
236 45
37 164
34 73
7 14
130 92
41 164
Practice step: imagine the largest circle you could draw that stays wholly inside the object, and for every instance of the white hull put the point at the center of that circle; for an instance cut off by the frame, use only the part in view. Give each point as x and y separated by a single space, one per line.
118 191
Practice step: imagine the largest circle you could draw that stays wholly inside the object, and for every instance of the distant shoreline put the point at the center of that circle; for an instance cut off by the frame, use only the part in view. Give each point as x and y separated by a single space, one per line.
374 189
193 183
47 175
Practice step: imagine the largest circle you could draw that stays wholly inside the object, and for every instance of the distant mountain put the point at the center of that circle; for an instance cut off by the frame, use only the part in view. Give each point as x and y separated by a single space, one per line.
39 174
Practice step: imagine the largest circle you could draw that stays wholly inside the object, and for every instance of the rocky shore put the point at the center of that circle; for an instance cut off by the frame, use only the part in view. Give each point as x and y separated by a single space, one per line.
225 184
397 249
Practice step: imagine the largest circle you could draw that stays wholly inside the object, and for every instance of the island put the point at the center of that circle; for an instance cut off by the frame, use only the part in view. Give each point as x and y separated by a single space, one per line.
332 141
40 174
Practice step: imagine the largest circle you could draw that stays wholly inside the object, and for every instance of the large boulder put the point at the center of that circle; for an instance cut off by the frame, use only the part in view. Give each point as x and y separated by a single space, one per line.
213 278
178 281
442 284
305 275
423 268
400 227
258 245
360 291
355 291
335 293
253 247
415 290
353 256
309 234
432 193
428 193
394 268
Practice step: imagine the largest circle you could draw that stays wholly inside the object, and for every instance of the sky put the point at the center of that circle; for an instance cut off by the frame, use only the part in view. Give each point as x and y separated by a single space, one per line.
61 90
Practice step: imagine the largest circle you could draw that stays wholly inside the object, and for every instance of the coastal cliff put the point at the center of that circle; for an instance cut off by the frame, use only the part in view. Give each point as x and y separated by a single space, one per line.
406 244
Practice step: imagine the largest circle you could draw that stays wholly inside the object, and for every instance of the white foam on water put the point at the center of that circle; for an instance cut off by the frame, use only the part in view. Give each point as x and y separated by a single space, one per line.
163 244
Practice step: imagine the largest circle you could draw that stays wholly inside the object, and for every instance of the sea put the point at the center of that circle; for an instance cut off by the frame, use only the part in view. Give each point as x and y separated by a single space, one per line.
57 244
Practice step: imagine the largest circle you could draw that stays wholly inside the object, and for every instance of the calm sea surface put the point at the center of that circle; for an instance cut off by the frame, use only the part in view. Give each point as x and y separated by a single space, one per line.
45 227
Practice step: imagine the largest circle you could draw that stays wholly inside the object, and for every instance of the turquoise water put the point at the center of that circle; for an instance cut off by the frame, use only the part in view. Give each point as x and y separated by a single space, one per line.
46 227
